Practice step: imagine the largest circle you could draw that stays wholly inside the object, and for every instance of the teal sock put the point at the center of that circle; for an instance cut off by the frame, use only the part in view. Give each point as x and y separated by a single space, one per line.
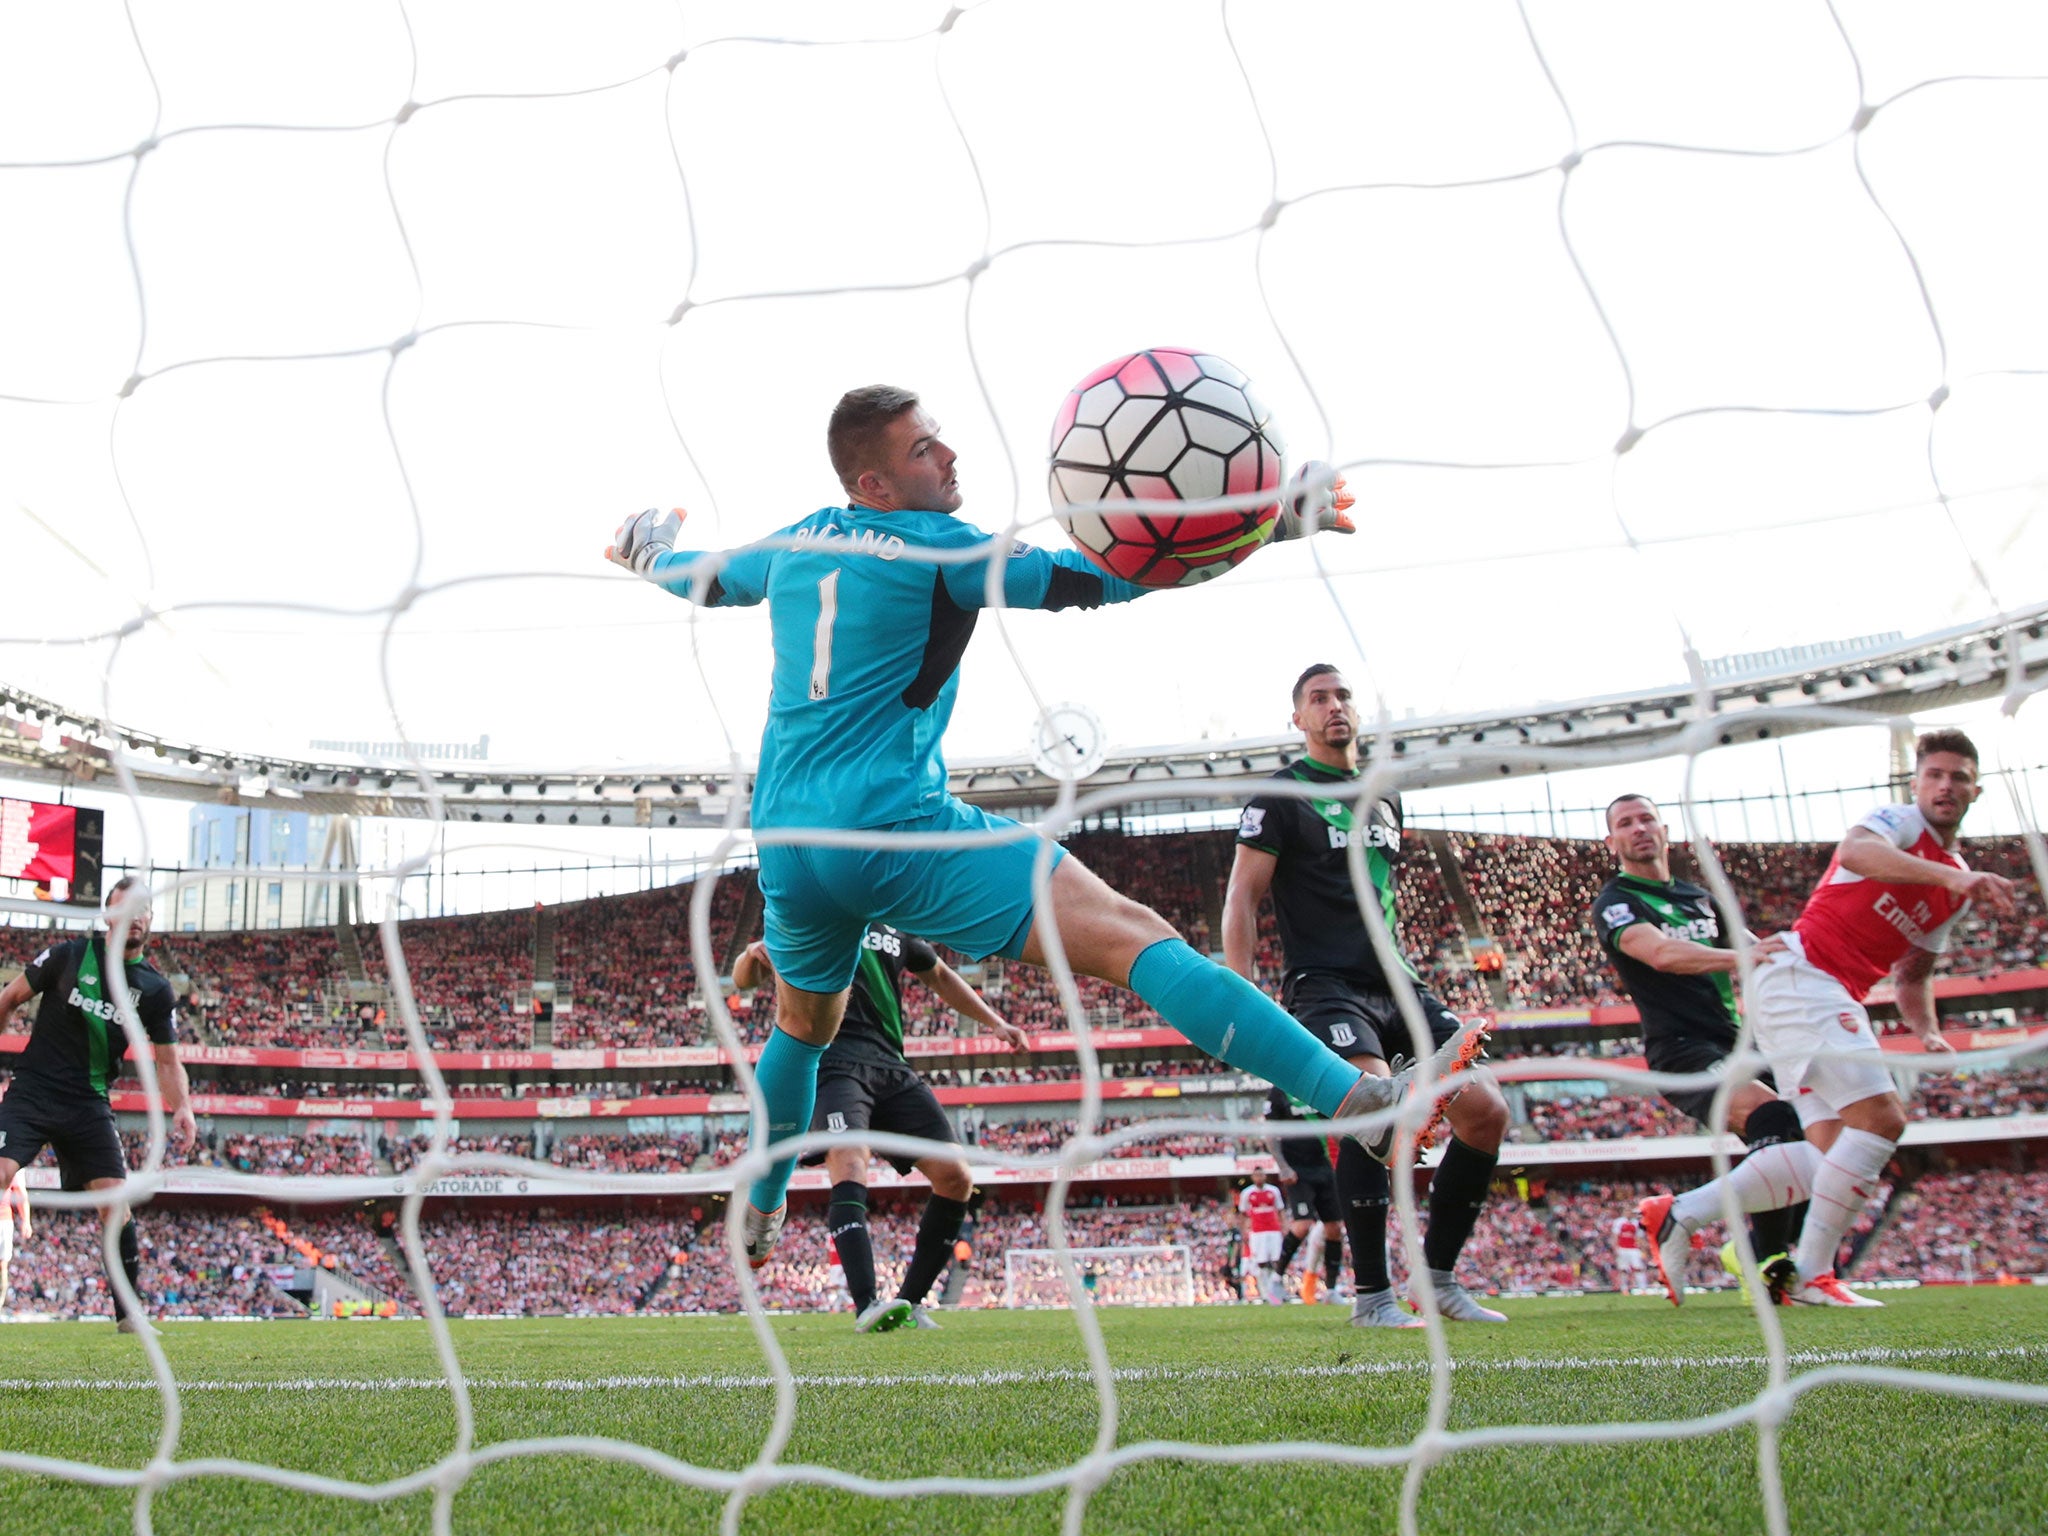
1230 1018
788 1075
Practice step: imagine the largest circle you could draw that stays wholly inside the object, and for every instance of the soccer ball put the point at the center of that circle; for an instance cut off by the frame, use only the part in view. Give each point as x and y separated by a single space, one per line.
1165 425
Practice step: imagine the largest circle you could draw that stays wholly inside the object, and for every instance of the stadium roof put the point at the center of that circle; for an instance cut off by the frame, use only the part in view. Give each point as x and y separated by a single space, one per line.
52 743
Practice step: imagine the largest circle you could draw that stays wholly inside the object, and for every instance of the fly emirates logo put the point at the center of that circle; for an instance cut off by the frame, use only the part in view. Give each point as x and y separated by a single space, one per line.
1912 924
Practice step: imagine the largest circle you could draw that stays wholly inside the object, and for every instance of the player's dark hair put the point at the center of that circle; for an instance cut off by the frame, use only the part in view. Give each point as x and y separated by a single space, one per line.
1623 800
1318 670
858 421
1945 741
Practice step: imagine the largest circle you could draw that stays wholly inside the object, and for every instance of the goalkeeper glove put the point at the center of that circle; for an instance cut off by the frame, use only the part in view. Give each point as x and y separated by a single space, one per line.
643 538
1316 500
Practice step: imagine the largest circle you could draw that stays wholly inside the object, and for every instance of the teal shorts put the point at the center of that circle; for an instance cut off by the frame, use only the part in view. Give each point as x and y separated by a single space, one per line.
819 901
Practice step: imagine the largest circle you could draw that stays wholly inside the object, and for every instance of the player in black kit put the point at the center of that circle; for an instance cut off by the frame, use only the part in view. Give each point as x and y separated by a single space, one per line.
58 1098
866 1083
1311 1181
1669 943
1295 849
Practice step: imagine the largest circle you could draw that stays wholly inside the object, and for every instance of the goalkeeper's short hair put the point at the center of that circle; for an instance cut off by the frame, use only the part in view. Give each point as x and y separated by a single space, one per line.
858 421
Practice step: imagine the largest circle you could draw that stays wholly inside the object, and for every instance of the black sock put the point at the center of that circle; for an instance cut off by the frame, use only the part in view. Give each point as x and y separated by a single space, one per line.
131 1266
1363 1188
1333 1254
846 1223
935 1233
1457 1193
1795 1223
1290 1245
1768 1233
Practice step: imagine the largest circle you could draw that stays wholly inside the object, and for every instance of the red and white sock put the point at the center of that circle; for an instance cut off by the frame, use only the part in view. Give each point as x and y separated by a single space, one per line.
1769 1179
1847 1179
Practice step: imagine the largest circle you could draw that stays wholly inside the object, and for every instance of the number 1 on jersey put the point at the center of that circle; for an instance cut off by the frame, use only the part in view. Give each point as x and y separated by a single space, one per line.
821 642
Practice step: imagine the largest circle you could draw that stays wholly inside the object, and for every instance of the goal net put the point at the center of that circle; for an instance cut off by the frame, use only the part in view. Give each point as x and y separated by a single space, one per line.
1159 1275
1640 340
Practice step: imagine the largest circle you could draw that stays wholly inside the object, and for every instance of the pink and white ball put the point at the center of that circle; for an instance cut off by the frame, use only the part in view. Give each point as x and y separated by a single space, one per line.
1162 427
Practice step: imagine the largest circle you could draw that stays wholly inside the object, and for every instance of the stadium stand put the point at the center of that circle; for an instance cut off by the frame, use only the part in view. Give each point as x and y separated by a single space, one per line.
622 963
1983 1225
464 973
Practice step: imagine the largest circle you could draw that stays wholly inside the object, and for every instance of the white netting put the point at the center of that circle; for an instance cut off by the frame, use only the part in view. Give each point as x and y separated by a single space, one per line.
1159 1276
1643 413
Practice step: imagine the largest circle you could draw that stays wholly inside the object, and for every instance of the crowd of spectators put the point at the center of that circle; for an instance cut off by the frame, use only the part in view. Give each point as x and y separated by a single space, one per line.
1049 1135
1604 1118
1980 1095
525 1262
195 1263
300 1156
1534 896
349 1238
639 1153
405 1153
624 971
625 962
260 988
464 973
1984 1225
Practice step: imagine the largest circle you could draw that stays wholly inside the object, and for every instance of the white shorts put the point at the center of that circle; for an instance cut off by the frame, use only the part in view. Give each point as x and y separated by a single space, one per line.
1264 1246
1629 1258
1816 1037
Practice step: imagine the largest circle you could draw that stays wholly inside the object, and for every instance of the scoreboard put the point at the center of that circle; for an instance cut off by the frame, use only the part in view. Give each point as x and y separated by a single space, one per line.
50 843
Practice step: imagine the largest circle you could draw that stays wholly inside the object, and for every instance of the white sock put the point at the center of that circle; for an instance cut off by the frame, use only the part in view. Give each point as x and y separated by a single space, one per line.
1767 1180
1847 1179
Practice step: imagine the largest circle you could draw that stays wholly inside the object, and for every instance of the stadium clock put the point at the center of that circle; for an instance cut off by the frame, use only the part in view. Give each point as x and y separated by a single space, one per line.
1068 743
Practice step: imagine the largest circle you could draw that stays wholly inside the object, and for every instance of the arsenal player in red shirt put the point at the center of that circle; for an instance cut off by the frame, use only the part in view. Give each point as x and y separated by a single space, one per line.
1891 896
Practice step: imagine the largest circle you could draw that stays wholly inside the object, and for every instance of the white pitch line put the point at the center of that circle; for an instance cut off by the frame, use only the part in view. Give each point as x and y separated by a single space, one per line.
1798 1359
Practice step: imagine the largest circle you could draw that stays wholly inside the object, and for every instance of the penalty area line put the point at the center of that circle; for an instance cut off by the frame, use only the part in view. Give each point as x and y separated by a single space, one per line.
1799 1359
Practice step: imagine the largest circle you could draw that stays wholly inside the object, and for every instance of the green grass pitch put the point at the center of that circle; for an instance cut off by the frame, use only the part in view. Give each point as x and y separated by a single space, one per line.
1858 1459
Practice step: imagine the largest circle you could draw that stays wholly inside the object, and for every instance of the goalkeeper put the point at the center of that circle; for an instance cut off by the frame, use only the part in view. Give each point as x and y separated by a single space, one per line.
867 647
866 1083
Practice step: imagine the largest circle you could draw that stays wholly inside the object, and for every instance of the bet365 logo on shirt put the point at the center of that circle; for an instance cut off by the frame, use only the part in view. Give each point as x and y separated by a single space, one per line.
101 1009
1376 836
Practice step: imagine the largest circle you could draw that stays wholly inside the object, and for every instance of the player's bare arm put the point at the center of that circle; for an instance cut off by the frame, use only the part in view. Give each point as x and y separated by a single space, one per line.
1684 957
177 1091
1913 983
1251 877
1871 855
956 994
12 996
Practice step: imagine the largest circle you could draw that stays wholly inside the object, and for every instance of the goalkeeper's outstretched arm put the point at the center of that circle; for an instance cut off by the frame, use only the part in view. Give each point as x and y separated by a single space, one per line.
645 544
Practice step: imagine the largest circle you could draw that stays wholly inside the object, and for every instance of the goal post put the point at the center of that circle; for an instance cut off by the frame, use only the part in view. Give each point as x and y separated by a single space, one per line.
1155 1275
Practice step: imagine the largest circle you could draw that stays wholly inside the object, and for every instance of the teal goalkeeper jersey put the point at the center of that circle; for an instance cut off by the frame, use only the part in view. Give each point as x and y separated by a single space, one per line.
868 642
